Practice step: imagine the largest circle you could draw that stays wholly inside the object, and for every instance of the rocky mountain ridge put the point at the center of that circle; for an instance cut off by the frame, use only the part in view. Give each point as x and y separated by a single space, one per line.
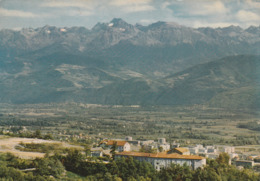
120 63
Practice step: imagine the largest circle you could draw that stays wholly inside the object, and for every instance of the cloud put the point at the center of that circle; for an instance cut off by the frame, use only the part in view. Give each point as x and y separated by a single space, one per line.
129 2
253 4
79 13
74 12
17 13
138 8
197 13
247 16
133 5
206 8
197 24
73 8
165 5
66 4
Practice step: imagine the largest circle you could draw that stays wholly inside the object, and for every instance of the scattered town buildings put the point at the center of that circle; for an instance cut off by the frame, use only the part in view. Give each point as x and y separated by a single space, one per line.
163 154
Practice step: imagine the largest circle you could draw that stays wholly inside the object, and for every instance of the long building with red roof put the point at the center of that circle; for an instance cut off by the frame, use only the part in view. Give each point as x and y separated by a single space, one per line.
163 160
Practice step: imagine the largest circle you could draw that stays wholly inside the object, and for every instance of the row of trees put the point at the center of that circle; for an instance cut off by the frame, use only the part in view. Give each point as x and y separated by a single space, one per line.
28 134
129 169
13 168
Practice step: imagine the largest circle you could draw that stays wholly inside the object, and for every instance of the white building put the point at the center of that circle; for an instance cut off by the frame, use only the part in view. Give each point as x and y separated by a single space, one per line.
233 155
212 155
96 152
228 149
211 149
147 142
165 147
194 150
129 138
175 145
162 141
199 146
202 151
164 160
244 163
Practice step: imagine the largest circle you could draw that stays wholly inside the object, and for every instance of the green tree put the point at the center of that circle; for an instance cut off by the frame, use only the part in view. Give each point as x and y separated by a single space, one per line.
91 178
131 178
132 169
73 160
113 149
49 166
48 136
176 172
108 177
10 173
113 168
87 150
223 158
37 134
160 149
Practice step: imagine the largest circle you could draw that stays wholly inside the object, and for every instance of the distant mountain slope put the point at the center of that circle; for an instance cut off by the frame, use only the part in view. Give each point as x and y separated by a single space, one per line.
229 82
201 83
219 83
244 97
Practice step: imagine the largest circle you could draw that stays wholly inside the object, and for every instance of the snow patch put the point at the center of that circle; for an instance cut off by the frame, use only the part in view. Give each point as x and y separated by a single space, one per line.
81 48
63 30
133 74
65 68
77 85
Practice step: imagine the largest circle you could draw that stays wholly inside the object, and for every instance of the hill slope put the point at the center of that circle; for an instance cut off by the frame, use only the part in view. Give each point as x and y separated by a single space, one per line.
231 81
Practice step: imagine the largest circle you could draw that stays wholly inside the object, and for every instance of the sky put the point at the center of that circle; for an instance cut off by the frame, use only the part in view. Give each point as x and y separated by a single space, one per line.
17 14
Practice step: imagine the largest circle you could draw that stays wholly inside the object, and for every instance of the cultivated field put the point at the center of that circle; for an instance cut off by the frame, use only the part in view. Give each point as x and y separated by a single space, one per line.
88 123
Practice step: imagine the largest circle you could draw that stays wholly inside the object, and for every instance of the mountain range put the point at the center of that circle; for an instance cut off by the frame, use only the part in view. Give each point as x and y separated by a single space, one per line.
119 63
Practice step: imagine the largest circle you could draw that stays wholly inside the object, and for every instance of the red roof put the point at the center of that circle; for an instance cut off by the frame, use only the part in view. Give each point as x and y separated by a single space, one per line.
182 150
160 155
111 142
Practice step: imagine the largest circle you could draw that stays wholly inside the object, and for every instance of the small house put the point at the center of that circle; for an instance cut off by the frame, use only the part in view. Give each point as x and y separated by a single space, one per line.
121 145
96 152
